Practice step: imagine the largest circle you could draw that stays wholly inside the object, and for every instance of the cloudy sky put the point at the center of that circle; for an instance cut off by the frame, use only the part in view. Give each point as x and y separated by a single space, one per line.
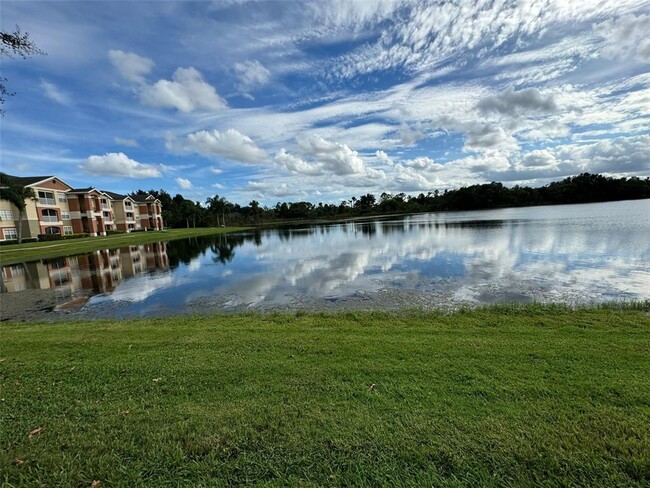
320 101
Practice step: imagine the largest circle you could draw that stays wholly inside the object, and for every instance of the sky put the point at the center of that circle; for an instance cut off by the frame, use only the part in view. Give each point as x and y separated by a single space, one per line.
321 101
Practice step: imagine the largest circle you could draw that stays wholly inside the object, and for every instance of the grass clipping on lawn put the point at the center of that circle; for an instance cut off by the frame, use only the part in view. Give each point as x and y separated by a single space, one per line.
482 397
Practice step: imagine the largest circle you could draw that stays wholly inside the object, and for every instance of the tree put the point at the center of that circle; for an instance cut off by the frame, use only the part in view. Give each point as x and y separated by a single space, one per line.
14 44
16 194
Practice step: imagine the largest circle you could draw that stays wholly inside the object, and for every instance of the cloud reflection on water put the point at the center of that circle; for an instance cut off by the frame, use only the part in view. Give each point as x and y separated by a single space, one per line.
575 254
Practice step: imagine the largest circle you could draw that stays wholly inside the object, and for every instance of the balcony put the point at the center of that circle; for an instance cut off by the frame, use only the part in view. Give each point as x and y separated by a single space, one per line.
49 218
47 201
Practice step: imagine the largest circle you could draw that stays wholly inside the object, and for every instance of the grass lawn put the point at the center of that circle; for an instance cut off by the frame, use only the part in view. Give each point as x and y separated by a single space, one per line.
16 253
490 397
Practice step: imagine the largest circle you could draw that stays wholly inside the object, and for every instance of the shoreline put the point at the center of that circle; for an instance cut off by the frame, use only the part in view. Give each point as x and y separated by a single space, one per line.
59 306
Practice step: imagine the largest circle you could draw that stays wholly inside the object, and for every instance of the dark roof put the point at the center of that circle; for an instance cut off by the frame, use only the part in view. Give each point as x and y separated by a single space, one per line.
28 180
143 198
115 196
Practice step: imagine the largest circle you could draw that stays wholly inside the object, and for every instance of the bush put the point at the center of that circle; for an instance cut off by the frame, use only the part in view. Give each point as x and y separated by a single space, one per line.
49 237
15 241
114 232
76 236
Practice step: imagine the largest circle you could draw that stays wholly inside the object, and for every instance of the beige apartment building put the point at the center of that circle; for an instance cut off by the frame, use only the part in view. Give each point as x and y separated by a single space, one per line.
60 209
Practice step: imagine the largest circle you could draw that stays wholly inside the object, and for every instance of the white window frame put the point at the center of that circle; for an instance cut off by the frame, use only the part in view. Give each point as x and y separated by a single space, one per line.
67 230
10 230
49 218
65 215
63 197
44 199
6 215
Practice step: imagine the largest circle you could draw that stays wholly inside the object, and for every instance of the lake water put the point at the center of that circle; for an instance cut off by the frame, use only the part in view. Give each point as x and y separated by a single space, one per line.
570 253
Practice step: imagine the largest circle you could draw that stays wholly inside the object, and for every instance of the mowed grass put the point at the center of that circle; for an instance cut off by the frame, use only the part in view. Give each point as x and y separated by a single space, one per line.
490 397
16 253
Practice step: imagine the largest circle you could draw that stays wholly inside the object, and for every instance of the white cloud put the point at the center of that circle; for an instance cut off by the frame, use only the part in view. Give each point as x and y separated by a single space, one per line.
187 92
297 165
184 183
230 144
625 37
382 157
131 66
422 36
251 74
275 190
409 179
125 142
423 164
622 155
547 130
118 164
54 93
539 158
218 186
489 136
335 158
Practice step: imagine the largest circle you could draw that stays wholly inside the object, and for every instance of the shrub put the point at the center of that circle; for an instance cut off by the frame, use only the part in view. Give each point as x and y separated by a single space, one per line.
49 237
15 241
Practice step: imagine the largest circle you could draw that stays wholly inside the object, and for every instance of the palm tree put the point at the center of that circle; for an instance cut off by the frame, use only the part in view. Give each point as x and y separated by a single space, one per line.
16 194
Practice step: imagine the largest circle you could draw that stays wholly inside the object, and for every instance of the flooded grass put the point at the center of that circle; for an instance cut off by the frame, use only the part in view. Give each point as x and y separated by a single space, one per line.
16 253
503 396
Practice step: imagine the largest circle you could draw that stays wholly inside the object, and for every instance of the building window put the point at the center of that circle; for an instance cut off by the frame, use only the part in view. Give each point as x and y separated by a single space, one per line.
63 197
6 215
67 229
52 230
128 205
49 215
65 215
107 215
10 234
105 203
129 216
46 198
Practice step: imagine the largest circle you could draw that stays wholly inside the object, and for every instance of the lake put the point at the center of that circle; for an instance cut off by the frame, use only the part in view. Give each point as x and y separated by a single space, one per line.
574 254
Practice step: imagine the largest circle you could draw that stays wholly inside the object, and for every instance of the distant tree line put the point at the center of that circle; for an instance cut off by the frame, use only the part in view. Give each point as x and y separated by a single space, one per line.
584 188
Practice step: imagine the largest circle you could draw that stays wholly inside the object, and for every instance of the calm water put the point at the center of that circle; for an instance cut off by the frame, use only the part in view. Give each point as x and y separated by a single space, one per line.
570 253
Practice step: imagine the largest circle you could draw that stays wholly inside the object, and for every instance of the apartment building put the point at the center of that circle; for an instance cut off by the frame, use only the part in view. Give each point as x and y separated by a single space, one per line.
126 212
150 210
59 208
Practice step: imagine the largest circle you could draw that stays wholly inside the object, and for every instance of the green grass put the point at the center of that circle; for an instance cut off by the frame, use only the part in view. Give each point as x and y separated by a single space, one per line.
15 253
489 397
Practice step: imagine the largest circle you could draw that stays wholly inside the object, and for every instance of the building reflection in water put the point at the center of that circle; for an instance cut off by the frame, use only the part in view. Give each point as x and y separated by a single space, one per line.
94 273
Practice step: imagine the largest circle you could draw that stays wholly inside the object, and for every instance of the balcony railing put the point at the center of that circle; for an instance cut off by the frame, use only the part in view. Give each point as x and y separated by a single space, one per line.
49 218
47 201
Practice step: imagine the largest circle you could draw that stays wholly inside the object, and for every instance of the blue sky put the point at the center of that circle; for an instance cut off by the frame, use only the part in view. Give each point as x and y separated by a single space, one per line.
320 101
